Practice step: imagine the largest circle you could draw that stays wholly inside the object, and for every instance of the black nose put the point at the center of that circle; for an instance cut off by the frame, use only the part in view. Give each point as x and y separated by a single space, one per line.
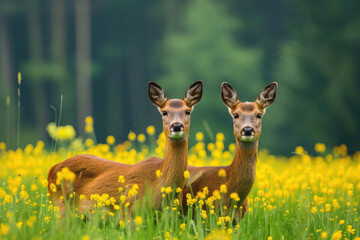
177 127
248 131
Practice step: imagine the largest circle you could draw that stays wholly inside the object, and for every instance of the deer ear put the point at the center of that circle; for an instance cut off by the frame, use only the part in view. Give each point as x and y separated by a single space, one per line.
156 94
194 93
267 95
229 95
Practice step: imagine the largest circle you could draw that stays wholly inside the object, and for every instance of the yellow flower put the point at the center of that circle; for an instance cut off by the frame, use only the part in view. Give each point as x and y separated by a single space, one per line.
64 174
219 145
341 222
299 150
134 190
199 136
89 128
232 147
223 188
24 194
85 237
168 190
336 235
121 223
138 220
121 179
89 142
186 174
2 146
178 189
320 147
158 173
269 238
110 140
60 133
89 120
211 146
350 229
324 235
4 229
150 130
183 226
203 214
220 137
216 194
19 224
234 196
33 187
222 173
141 138
53 187
327 207
132 136
70 131
314 210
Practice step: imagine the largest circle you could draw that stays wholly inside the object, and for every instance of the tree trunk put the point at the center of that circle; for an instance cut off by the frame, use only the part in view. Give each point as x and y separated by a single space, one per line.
83 62
36 56
137 86
115 101
9 79
58 55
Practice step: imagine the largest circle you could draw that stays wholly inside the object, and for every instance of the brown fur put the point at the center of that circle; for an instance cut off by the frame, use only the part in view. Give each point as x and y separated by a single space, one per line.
240 174
94 175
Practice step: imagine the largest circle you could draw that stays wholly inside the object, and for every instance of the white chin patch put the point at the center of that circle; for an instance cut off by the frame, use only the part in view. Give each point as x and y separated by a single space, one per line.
177 135
247 139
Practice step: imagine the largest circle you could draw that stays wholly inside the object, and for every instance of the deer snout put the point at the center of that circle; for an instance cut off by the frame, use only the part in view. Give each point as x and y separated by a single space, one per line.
177 127
248 131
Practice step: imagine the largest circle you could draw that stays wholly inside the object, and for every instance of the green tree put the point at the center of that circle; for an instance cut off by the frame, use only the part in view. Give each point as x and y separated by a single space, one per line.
204 48
318 67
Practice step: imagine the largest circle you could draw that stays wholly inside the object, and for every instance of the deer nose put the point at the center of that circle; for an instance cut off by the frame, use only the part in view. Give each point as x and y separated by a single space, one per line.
177 127
248 131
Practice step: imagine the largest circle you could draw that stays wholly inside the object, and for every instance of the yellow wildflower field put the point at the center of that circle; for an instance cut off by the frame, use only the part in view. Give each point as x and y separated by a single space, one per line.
300 197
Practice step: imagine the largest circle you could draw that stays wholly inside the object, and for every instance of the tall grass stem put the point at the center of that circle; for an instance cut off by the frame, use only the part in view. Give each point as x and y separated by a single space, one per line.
18 113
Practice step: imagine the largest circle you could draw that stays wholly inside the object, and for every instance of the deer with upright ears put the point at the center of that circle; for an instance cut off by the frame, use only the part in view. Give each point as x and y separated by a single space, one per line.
240 175
94 175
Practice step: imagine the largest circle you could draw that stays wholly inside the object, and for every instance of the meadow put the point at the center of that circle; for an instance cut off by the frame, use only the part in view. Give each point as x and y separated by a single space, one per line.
300 197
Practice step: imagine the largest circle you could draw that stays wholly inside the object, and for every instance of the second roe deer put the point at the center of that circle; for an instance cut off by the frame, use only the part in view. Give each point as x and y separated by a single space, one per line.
240 175
94 175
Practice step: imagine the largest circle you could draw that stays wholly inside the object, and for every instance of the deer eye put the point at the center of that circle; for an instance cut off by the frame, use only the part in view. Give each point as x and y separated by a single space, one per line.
188 112
259 116
235 115
164 113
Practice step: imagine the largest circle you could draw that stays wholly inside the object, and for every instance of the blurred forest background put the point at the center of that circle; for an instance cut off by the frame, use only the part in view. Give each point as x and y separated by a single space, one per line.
100 55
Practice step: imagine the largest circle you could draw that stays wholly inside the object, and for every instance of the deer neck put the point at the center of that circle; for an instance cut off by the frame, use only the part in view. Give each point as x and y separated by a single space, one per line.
175 162
241 172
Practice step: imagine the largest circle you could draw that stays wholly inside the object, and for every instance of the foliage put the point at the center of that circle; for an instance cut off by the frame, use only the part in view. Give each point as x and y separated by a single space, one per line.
204 48
320 102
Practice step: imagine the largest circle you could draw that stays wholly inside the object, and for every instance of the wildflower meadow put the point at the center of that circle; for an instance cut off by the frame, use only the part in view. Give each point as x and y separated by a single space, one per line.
301 197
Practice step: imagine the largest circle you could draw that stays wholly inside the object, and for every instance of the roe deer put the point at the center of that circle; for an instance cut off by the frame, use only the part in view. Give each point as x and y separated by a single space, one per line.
94 175
240 175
